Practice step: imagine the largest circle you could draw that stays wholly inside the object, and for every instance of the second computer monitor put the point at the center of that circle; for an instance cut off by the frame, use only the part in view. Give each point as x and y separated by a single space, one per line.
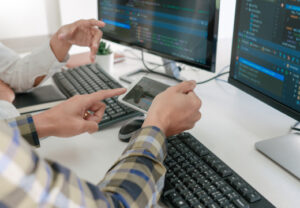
266 52
184 31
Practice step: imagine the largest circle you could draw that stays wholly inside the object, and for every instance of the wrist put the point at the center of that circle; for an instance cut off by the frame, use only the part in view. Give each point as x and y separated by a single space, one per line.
9 98
157 123
43 124
60 48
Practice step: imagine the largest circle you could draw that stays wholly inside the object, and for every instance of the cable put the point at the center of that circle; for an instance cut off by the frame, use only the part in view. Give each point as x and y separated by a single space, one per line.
213 78
221 73
136 57
159 73
294 127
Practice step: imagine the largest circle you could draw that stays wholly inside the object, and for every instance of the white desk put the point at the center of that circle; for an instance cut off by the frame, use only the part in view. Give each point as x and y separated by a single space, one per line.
231 124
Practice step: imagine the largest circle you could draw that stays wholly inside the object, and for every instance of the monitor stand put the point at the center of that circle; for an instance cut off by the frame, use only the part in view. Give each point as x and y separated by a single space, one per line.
171 70
284 150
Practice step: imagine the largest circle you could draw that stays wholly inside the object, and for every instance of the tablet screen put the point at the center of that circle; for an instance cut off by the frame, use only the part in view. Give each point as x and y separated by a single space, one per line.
143 93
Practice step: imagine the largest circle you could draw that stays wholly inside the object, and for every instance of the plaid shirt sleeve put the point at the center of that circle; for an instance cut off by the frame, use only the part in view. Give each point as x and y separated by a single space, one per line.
26 128
135 180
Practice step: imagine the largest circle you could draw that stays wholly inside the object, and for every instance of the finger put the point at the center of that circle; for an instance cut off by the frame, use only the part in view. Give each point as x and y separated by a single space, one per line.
98 109
197 116
185 87
94 118
93 22
95 43
197 103
96 106
90 126
103 94
97 116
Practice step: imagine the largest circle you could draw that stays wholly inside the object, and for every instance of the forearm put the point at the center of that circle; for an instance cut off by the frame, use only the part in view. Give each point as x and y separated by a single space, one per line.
24 73
135 180
139 173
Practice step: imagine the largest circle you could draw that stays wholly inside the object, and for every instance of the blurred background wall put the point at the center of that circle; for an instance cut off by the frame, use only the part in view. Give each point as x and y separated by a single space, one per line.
25 24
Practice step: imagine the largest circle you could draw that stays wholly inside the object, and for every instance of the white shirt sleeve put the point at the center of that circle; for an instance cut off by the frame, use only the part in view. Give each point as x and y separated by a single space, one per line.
20 73
7 110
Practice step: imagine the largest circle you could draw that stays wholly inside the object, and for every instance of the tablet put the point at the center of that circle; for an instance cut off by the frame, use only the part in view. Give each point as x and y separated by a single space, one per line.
141 94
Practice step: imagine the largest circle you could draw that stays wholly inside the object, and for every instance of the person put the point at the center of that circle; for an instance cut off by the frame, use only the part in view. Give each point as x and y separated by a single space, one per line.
135 180
22 74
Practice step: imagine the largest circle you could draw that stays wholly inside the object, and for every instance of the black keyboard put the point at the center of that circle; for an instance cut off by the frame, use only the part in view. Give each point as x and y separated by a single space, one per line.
91 78
199 179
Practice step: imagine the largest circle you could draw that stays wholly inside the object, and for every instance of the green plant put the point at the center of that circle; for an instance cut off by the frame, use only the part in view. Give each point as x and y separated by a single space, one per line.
104 49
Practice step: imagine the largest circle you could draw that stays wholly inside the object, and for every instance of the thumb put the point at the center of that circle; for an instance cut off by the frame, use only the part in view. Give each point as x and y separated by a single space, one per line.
90 126
185 87
66 33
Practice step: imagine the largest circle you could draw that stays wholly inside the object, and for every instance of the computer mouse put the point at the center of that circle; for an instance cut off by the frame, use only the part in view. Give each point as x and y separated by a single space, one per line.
129 129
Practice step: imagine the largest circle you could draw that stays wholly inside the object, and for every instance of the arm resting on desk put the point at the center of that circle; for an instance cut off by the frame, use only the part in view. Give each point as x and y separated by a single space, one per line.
22 74
136 180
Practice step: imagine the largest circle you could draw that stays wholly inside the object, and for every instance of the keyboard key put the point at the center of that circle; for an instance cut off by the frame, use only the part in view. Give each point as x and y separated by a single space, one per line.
216 195
173 195
198 206
117 114
213 205
252 197
231 196
219 184
226 189
240 203
222 201
210 189
229 206
188 195
180 203
224 172
206 200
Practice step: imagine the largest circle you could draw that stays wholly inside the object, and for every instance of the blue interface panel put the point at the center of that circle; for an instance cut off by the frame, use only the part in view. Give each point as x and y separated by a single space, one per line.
179 29
267 56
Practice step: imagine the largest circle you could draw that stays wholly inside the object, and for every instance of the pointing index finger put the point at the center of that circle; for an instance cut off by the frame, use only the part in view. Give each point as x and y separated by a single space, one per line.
98 23
103 94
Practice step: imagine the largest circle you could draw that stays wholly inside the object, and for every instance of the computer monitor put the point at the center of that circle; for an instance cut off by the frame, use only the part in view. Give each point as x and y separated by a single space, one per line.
266 64
183 31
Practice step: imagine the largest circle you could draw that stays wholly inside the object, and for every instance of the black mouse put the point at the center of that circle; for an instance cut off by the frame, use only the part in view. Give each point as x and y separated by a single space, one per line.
129 129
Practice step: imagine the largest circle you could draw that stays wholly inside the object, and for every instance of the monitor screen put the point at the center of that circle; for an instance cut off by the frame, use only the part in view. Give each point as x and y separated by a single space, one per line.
266 52
184 31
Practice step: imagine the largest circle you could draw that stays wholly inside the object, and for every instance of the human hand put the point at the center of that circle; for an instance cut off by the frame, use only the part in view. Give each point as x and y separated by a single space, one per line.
81 33
73 116
175 110
6 93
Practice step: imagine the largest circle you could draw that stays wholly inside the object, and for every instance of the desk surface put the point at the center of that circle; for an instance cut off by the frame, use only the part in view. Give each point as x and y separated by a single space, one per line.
232 123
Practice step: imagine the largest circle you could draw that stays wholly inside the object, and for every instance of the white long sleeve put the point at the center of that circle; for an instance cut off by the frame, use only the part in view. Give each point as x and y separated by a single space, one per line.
20 73
7 110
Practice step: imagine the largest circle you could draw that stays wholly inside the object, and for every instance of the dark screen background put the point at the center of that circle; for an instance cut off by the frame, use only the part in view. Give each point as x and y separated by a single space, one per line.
267 43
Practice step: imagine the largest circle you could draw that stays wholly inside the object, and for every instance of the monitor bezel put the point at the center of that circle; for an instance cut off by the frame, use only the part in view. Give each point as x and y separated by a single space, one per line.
213 34
255 93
